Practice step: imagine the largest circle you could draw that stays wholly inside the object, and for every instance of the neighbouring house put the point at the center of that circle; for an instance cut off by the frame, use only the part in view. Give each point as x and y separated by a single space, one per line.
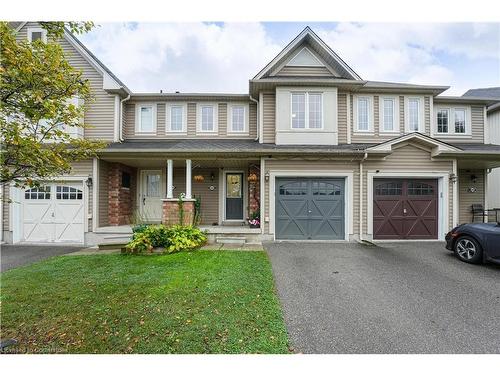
493 137
313 150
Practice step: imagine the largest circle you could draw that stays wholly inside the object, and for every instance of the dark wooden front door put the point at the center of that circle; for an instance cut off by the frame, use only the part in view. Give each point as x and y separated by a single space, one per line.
234 196
405 209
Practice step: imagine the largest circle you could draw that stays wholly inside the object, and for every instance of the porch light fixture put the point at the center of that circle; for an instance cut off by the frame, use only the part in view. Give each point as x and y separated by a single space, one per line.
266 176
212 176
252 177
89 182
473 178
199 178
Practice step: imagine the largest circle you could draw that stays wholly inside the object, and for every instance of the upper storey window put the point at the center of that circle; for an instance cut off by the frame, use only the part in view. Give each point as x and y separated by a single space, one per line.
146 118
238 118
37 33
452 121
414 114
207 118
176 118
307 110
388 113
362 113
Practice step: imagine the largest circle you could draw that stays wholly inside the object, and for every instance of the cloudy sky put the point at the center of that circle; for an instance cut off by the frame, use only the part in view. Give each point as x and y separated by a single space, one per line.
222 57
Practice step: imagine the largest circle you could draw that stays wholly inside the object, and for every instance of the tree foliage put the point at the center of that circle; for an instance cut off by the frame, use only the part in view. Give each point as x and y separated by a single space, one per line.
42 97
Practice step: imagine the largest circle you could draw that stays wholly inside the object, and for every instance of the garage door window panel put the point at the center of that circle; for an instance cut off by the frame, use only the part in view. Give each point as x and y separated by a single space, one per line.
40 193
68 193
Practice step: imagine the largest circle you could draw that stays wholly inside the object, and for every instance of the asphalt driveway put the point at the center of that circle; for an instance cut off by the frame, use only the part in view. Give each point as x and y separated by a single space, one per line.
12 256
396 298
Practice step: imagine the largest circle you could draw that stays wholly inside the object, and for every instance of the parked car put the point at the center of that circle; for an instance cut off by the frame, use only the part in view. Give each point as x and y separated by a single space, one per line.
475 242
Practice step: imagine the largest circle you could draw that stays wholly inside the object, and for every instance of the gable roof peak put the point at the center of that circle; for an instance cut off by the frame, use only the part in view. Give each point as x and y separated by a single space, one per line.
308 37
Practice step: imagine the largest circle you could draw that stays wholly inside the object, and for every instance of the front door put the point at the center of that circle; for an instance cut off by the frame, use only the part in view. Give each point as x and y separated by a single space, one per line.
234 196
151 207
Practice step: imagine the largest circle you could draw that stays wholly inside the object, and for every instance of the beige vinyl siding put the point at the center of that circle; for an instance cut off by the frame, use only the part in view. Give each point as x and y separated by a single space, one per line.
130 118
269 117
376 112
402 114
209 198
161 123
103 193
6 208
324 165
407 159
304 71
427 115
466 198
99 113
342 117
222 110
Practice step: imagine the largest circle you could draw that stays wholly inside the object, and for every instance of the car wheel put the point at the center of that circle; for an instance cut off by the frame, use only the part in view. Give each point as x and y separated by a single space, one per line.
468 249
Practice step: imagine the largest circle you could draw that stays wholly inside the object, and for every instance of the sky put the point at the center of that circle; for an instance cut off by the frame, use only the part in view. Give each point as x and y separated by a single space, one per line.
222 57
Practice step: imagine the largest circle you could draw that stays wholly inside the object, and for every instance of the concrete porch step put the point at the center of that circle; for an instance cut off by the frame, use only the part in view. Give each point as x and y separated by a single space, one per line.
230 240
112 245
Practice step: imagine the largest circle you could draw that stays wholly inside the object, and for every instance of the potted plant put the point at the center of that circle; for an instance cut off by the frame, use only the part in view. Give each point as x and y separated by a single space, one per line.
254 220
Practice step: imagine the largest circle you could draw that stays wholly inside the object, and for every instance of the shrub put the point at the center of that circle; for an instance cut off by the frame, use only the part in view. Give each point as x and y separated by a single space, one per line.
139 228
139 245
174 239
184 238
158 235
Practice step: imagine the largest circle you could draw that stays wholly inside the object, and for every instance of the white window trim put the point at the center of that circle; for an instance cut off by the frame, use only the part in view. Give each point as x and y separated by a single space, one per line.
306 124
138 107
370 114
168 109
421 114
31 30
397 125
215 118
451 121
246 115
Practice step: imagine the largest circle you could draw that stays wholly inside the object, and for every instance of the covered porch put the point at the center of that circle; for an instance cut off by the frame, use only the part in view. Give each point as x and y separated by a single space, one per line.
219 195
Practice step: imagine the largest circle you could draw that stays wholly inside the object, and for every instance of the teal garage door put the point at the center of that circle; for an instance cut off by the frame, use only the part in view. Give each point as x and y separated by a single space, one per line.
310 209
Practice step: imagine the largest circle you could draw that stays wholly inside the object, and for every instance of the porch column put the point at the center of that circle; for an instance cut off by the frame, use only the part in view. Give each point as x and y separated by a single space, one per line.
170 179
188 179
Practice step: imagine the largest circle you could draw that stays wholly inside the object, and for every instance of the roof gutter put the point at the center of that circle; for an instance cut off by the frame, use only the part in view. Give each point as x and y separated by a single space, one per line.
120 130
258 117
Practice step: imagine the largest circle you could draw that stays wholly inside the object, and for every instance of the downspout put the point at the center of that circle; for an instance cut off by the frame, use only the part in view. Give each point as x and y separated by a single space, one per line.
258 117
361 196
120 135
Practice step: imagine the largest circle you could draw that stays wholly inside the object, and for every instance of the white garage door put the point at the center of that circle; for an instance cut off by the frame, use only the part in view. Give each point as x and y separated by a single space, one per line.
53 213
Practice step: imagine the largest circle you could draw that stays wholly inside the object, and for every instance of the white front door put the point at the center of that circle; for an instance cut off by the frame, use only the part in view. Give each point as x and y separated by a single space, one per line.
53 213
151 204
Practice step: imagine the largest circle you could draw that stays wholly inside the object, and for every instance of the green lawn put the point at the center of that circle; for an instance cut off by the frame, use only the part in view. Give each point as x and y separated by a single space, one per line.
199 302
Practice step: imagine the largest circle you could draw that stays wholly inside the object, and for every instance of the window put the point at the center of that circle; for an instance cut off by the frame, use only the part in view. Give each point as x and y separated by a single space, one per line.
388 114
146 121
363 114
442 120
298 111
294 188
315 111
37 33
460 121
420 188
207 118
68 193
307 110
39 193
452 121
238 118
177 118
413 114
389 188
126 180
153 185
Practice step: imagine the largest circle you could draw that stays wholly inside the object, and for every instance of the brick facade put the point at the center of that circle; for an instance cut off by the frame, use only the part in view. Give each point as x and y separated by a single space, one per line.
120 200
170 212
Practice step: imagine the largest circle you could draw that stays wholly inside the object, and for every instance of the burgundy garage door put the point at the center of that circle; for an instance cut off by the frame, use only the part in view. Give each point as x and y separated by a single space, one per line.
405 209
